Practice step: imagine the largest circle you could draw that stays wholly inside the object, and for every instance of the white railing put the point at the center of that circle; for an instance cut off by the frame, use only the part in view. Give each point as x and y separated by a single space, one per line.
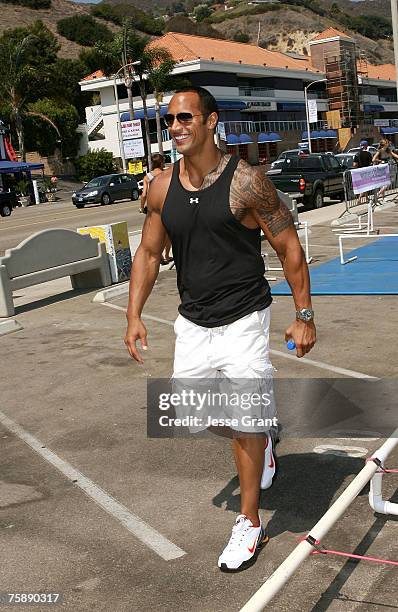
94 117
245 127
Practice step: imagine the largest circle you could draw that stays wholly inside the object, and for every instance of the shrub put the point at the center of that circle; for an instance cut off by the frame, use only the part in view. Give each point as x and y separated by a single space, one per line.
116 13
84 30
95 163
241 37
244 9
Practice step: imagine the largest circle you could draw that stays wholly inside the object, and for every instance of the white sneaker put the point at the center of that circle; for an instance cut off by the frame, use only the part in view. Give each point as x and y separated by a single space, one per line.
243 546
269 469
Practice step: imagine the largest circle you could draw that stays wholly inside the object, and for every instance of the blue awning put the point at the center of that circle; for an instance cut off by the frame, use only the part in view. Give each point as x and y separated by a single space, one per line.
291 106
389 130
274 137
232 139
376 108
263 137
331 134
230 104
314 135
139 113
271 137
245 139
11 167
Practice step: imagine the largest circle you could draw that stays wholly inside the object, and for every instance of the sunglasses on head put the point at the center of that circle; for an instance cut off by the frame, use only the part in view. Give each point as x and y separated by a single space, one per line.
183 118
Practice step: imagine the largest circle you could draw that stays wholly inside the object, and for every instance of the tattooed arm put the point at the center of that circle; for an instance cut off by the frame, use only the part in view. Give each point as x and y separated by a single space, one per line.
254 196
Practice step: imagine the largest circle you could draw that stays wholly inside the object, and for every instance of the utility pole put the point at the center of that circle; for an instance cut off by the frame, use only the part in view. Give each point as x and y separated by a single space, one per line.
394 19
259 30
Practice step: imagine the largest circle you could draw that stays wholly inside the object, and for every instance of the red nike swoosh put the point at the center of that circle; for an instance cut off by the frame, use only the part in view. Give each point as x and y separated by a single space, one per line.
251 550
271 464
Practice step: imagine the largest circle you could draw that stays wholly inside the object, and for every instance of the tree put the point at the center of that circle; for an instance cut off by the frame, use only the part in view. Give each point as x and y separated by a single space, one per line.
159 76
25 58
41 135
84 30
201 12
95 163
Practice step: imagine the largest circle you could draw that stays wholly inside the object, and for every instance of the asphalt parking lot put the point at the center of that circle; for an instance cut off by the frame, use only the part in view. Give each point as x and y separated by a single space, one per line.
73 522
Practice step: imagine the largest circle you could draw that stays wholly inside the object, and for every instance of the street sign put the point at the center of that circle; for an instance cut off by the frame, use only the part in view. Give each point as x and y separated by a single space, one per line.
312 111
133 148
131 129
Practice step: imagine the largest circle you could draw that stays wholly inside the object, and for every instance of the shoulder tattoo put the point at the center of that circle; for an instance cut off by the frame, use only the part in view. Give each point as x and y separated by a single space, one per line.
252 191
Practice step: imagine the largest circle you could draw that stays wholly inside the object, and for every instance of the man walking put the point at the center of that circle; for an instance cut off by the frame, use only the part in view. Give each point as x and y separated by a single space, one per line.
363 158
213 207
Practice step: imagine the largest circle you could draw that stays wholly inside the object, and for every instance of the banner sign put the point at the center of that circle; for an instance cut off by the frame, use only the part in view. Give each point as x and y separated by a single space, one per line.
312 111
372 177
135 167
133 148
131 129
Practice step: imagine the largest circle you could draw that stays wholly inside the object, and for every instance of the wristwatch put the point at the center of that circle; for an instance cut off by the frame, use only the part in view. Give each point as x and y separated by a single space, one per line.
305 314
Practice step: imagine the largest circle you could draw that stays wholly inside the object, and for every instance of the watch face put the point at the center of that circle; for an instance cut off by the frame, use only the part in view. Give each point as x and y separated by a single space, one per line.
306 314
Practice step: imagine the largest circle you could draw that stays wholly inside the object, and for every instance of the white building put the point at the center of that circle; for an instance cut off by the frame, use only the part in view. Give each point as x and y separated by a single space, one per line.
259 92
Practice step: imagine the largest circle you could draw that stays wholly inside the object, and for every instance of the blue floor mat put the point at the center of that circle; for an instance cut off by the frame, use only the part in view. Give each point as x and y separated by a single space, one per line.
375 272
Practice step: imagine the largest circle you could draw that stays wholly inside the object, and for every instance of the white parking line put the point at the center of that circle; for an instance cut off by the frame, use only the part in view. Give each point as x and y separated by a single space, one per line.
133 523
302 360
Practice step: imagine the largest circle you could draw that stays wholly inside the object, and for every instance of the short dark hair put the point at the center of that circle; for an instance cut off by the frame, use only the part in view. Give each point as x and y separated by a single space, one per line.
157 160
208 102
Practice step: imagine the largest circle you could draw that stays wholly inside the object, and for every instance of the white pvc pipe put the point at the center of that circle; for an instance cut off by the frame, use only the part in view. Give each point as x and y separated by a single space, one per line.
376 500
282 574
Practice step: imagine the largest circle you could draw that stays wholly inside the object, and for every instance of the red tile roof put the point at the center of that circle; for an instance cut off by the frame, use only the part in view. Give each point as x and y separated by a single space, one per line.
185 47
330 33
383 71
98 74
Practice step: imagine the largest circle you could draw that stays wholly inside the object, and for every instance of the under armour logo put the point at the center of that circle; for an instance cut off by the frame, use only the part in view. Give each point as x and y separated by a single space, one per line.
194 200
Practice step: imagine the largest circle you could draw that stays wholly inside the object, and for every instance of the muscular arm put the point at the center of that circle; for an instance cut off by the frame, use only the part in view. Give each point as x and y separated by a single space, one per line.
145 270
260 199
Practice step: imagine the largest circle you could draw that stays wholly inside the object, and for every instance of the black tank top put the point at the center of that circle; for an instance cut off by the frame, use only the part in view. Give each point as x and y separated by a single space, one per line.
220 271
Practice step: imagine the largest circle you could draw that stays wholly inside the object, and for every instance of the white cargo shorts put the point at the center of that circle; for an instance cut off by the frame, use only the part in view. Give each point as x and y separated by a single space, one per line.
237 356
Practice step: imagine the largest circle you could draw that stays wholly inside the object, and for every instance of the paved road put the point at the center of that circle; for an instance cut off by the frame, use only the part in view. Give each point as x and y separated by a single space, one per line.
62 214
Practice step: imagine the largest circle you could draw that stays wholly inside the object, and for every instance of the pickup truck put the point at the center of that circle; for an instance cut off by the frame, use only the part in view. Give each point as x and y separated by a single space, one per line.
8 200
310 177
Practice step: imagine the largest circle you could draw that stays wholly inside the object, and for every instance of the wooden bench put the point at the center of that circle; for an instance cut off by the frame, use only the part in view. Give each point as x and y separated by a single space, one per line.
49 255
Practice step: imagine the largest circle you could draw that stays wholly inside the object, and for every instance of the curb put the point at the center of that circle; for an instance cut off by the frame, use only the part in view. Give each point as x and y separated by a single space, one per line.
111 292
7 326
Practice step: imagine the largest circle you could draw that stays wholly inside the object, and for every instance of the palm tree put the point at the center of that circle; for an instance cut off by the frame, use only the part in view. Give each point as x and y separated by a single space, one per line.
16 74
159 76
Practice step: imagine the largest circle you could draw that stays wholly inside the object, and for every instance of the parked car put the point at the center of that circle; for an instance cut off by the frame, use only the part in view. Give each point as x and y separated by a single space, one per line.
346 160
310 178
283 156
8 201
372 150
106 190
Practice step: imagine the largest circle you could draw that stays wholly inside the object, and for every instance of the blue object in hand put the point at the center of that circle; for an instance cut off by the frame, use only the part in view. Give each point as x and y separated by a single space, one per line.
290 345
